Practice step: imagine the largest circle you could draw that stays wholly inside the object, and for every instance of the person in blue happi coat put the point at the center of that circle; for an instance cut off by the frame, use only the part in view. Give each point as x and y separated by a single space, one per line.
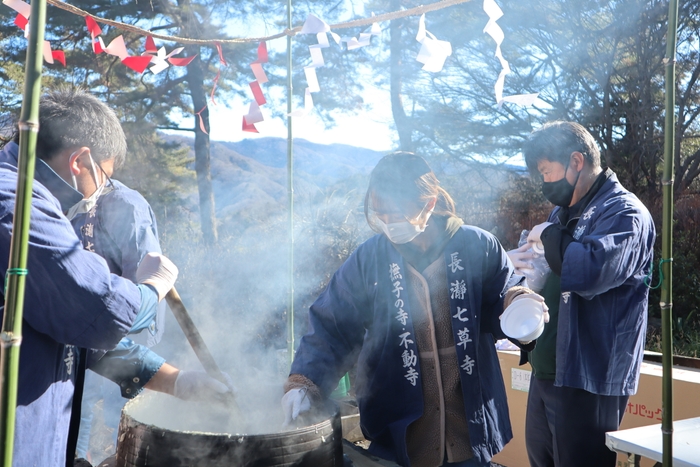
71 301
598 241
417 308
79 144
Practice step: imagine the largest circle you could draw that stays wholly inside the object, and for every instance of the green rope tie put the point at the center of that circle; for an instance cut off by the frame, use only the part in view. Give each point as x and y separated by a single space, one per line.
15 272
647 279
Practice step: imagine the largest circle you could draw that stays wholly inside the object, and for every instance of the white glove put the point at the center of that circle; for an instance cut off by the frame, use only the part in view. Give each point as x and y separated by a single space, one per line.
536 233
539 298
199 386
294 402
158 271
520 257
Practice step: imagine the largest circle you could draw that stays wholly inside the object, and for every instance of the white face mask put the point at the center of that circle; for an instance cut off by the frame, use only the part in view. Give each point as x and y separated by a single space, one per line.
403 231
400 232
86 204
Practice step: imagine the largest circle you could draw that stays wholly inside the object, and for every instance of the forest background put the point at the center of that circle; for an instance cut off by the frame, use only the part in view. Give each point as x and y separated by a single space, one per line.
222 208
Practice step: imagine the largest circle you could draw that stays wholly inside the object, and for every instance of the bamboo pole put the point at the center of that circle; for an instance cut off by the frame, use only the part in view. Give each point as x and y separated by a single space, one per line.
15 278
290 192
666 265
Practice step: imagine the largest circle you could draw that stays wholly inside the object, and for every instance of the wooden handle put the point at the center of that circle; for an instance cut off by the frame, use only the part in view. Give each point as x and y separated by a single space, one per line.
195 339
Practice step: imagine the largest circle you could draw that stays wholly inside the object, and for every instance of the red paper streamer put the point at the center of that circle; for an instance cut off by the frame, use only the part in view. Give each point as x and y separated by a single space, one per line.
221 54
222 60
181 61
21 22
59 55
262 53
94 30
216 80
150 44
201 120
257 93
137 63
93 27
249 127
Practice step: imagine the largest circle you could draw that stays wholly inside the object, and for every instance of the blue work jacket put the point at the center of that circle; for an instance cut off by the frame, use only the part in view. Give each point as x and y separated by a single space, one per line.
603 304
364 315
122 229
71 301
122 238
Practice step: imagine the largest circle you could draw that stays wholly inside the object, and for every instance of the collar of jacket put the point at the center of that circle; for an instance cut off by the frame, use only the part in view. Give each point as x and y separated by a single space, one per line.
64 193
571 213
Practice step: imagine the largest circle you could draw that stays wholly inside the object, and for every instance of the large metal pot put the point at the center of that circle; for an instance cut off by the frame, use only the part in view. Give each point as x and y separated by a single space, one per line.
142 443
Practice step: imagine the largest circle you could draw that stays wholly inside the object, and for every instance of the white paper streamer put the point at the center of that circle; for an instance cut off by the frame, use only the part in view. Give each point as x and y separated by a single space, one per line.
314 25
19 6
116 47
48 56
160 58
433 52
494 12
364 38
254 114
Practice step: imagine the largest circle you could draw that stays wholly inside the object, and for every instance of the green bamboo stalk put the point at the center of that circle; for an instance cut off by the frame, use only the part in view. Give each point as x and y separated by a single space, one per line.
11 336
666 302
290 192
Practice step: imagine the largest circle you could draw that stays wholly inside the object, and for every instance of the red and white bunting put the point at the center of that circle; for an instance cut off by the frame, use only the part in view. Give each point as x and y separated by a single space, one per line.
24 10
254 114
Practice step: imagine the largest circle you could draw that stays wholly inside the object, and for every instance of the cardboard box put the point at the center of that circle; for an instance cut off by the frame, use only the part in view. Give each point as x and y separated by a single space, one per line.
644 408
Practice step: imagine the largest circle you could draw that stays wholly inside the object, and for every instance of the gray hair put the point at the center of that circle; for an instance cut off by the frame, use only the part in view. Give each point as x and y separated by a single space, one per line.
73 118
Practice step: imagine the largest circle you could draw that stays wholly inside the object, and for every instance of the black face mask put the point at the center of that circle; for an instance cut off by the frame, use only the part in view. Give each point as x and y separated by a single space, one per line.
560 192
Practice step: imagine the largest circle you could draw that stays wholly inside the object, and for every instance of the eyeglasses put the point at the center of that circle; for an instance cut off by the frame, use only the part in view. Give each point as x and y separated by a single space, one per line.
392 217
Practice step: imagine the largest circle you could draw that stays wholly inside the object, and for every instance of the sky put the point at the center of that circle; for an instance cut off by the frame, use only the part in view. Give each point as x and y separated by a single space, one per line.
371 130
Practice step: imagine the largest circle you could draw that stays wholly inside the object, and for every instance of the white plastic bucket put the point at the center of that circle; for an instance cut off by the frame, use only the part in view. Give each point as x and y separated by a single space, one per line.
523 320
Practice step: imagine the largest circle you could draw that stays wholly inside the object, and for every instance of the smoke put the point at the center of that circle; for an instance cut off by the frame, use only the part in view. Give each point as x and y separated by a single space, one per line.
237 291
237 294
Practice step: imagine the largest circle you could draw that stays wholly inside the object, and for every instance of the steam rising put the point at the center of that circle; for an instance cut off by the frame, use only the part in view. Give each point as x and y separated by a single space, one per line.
237 291
163 411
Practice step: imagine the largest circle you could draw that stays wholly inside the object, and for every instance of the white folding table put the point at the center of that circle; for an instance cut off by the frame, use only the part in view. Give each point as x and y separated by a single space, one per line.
647 442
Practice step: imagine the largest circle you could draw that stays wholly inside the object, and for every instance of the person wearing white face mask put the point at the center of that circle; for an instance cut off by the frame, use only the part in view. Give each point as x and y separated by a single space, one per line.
97 183
79 145
417 308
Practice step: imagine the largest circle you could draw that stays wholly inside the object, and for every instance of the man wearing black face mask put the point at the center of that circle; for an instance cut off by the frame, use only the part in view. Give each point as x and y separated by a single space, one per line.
598 241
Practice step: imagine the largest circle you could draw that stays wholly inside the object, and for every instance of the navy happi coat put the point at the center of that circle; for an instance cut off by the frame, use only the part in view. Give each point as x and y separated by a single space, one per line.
71 300
603 305
363 315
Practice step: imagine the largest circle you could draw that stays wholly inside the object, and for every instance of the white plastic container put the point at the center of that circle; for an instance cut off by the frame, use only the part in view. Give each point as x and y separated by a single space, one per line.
523 320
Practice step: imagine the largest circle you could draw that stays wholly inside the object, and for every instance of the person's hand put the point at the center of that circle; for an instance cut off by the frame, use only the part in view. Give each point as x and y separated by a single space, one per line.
199 386
158 271
294 402
520 257
537 297
536 233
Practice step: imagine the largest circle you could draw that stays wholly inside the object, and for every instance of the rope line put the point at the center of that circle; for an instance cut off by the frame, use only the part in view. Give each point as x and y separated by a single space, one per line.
419 10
